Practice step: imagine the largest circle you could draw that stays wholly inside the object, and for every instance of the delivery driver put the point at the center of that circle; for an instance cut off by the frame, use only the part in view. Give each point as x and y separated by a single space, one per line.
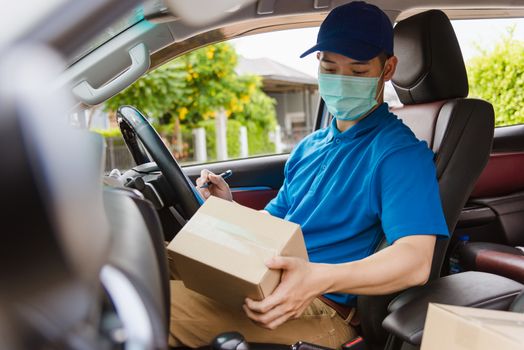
348 185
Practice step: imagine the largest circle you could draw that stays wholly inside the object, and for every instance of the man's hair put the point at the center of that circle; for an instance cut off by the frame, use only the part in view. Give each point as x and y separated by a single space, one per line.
383 56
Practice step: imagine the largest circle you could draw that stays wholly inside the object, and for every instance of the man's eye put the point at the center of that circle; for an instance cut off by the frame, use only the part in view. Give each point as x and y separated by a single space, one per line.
359 72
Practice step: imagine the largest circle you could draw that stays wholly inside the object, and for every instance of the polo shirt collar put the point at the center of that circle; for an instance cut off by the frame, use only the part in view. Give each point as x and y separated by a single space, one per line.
362 127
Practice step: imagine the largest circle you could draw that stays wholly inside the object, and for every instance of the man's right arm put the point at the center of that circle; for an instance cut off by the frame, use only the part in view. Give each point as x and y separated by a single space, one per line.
219 187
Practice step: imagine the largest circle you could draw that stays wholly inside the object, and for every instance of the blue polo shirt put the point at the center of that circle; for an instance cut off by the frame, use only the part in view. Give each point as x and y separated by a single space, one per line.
347 190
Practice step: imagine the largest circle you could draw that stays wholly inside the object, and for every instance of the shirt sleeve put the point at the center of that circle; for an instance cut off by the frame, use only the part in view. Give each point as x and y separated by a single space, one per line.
408 198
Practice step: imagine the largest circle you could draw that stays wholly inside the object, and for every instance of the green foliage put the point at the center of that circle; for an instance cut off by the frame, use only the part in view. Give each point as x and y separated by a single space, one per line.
258 140
155 93
498 77
193 88
232 136
114 132
258 135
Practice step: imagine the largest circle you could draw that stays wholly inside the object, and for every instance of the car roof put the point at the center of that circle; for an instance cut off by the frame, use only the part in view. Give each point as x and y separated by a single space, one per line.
20 16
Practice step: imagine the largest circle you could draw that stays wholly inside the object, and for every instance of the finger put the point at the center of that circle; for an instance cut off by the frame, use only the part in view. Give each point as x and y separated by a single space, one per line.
199 181
217 180
205 172
254 316
265 305
279 321
204 176
280 263
204 192
267 318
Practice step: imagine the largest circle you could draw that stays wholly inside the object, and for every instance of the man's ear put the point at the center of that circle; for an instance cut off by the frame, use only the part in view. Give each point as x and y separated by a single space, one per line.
391 66
318 55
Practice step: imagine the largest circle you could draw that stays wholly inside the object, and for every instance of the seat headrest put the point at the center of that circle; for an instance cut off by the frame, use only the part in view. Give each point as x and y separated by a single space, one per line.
430 64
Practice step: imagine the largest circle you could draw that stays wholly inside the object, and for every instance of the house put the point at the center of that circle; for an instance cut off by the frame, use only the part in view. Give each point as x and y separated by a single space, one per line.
296 94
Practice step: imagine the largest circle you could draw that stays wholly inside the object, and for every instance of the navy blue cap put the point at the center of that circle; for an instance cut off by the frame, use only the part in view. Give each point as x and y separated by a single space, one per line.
357 30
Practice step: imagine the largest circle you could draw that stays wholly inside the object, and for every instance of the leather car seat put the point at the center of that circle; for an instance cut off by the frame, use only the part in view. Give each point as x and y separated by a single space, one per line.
67 249
518 304
408 311
137 256
54 233
431 82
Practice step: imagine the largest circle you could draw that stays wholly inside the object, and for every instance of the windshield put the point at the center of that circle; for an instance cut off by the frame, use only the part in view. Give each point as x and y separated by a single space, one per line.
118 27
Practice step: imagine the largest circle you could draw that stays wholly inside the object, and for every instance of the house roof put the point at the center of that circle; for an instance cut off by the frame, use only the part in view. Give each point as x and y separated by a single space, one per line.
274 71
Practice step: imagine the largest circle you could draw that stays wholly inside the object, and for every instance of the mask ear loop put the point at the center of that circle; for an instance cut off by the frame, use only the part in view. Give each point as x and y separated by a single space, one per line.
384 83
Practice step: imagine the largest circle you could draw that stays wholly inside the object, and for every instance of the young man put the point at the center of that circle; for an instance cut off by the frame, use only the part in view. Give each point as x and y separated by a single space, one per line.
364 177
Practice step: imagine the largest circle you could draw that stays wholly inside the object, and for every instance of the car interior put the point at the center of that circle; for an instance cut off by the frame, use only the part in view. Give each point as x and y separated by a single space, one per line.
83 256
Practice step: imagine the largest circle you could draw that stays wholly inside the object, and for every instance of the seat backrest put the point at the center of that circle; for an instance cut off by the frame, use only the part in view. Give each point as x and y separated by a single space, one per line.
137 256
432 84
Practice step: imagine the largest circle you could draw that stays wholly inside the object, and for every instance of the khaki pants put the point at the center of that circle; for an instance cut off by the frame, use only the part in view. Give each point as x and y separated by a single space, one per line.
196 320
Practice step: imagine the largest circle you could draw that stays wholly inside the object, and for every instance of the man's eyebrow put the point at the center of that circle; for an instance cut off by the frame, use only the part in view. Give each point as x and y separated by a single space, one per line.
361 63
326 60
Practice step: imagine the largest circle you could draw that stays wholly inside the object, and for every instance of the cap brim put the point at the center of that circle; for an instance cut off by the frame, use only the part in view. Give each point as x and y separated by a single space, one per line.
352 48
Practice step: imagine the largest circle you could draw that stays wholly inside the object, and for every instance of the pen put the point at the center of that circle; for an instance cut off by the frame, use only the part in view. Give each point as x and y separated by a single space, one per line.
224 175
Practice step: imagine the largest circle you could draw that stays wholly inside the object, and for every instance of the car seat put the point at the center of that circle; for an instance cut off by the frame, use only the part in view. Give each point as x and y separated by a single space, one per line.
431 82
54 233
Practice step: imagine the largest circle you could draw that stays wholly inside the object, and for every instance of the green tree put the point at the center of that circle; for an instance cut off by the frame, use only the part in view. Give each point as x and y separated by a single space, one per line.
192 89
498 77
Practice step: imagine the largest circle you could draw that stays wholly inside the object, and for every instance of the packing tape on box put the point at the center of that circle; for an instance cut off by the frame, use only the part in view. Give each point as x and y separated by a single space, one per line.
230 235
497 321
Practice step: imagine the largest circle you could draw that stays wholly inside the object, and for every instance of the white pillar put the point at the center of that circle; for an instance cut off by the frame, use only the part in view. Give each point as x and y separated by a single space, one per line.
199 145
244 149
279 147
221 138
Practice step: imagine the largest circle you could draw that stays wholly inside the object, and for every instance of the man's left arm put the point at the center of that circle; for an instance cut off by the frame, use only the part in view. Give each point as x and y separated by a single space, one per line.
404 264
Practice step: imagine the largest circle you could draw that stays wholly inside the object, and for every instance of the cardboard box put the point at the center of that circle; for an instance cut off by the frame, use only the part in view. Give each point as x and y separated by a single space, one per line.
221 251
463 328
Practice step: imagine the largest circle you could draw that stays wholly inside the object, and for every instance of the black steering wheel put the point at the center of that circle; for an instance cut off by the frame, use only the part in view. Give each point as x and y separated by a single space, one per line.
134 124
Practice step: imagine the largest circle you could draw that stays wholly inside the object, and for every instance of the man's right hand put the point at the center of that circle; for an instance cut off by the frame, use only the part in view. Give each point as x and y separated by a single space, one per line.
218 188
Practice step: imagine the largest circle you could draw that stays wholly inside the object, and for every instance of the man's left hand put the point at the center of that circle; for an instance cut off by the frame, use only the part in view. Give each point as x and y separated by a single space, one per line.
297 289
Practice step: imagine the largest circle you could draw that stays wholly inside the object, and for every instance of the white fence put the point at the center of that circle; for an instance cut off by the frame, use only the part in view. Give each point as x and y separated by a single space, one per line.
118 156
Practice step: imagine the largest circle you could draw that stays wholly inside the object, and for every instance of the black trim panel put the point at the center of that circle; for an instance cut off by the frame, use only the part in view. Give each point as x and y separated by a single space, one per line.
249 172
509 139
476 215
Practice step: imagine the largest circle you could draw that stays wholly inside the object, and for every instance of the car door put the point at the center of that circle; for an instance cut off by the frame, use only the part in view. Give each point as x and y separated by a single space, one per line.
255 181
495 211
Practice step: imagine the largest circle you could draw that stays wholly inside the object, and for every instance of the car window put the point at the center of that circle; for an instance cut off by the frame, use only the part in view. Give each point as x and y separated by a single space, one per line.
254 96
241 98
493 50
